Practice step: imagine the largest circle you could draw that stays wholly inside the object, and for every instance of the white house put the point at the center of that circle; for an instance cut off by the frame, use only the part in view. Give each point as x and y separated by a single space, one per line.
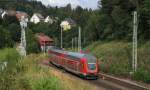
2 13
67 24
48 19
36 18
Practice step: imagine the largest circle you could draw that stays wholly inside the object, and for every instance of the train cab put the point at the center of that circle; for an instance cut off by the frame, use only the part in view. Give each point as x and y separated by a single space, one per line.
90 66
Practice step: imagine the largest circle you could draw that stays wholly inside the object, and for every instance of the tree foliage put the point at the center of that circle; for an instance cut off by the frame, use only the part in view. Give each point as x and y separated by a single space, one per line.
112 21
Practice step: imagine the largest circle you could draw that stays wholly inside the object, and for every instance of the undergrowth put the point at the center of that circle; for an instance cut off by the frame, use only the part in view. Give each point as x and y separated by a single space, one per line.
116 58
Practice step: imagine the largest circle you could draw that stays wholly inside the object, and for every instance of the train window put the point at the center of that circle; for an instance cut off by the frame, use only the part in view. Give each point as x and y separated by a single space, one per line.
72 57
92 66
91 61
90 58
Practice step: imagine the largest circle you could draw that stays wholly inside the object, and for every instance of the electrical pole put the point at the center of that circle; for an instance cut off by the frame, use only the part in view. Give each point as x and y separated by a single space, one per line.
55 41
79 39
76 43
61 37
135 27
23 24
72 43
44 47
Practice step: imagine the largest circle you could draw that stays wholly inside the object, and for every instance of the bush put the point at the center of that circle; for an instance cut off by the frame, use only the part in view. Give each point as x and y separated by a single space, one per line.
5 38
32 44
8 75
116 58
142 75
45 83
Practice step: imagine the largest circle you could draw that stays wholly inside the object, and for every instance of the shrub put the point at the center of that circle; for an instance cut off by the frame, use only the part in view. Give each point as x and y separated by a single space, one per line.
116 58
8 75
45 83
32 44
142 75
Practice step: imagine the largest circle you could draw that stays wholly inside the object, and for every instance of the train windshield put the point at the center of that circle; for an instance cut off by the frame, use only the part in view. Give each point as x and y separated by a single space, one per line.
91 60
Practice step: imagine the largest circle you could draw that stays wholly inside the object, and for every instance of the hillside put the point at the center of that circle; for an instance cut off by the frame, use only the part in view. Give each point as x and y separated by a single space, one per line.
116 58
31 74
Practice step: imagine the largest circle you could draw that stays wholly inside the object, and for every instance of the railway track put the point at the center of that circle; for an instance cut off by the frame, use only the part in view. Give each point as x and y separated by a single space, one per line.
109 83
123 82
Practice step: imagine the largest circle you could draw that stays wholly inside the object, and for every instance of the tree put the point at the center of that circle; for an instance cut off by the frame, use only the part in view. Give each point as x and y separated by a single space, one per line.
5 38
15 32
32 44
144 20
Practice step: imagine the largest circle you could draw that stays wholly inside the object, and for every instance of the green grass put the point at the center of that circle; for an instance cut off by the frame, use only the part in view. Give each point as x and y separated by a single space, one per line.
26 73
7 54
37 77
29 74
8 75
116 58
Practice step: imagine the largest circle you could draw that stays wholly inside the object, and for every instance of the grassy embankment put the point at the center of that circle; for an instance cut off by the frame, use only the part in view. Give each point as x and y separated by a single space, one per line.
29 74
116 58
25 74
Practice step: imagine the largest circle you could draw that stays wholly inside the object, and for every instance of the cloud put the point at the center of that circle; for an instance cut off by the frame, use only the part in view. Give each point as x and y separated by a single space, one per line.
89 3
83 3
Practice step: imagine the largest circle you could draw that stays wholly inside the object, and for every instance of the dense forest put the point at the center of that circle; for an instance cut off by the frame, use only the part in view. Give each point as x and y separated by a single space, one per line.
112 21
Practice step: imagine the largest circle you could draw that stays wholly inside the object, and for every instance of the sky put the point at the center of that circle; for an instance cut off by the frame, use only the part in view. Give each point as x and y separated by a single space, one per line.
83 3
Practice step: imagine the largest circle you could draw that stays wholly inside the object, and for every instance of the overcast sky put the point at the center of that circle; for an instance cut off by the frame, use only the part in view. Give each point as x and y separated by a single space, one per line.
83 3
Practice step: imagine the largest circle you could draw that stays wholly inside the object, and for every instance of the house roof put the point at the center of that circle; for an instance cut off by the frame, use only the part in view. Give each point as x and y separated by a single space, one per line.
20 14
39 15
70 21
43 37
64 23
48 17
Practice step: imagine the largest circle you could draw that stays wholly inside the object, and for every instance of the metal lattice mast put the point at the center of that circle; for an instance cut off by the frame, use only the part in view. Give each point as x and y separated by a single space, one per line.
23 24
134 58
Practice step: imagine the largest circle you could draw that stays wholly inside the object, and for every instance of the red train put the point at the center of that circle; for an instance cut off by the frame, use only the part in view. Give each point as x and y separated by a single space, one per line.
44 41
82 64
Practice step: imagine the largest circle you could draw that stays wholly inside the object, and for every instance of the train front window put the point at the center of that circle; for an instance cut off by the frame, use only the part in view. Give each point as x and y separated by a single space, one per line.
91 61
91 66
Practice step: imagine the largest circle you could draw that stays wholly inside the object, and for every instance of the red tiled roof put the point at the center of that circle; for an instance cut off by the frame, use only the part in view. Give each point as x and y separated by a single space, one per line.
19 14
43 37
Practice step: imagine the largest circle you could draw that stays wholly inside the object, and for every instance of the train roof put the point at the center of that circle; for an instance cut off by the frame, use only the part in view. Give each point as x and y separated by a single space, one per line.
76 55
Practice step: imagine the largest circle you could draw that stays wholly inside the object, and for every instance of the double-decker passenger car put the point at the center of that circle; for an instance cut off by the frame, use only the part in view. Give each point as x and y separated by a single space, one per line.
82 64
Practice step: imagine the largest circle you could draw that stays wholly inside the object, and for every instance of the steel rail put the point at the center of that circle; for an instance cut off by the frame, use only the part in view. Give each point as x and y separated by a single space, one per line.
122 82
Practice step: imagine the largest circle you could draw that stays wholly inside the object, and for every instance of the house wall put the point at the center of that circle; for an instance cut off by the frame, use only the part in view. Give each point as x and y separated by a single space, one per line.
48 20
35 19
65 25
